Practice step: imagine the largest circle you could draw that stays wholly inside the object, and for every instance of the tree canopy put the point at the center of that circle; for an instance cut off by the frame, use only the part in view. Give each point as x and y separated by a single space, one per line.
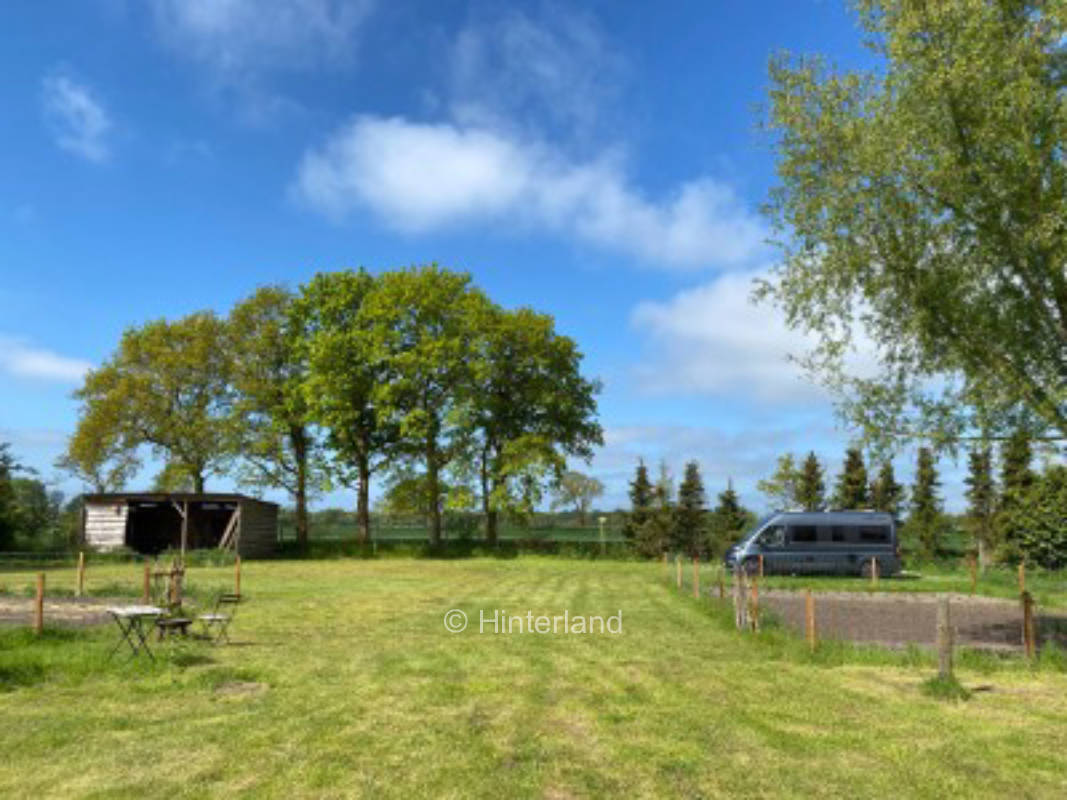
923 203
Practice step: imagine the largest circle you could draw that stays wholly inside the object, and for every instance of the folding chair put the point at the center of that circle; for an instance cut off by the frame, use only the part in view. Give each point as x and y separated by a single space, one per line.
217 622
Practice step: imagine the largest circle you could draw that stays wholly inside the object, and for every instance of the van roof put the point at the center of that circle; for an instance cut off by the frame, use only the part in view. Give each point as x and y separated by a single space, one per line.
839 517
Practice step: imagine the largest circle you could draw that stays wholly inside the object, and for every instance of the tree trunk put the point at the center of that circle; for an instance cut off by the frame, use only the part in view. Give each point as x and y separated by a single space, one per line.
490 512
198 481
363 499
433 488
299 443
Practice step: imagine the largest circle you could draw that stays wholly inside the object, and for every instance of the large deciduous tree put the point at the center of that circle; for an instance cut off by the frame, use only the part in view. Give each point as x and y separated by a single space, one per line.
578 491
421 327
167 386
528 408
343 370
271 432
923 201
783 486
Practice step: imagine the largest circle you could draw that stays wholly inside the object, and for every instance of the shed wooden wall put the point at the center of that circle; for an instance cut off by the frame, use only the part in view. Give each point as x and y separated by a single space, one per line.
258 534
105 525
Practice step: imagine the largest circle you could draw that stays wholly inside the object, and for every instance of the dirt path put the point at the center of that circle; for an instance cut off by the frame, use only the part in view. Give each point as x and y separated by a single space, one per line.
57 610
898 619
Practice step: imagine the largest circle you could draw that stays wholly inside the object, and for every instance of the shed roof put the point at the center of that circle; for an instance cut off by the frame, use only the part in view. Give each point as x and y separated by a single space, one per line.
180 497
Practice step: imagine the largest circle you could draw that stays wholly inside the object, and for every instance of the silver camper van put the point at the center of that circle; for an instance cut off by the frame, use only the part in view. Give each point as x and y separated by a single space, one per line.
820 542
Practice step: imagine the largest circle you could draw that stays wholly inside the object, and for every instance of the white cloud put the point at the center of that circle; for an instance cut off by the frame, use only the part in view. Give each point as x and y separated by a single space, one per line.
26 361
238 38
714 340
419 177
512 72
76 117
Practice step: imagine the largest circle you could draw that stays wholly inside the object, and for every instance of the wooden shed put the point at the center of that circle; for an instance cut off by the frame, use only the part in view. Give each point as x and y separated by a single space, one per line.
151 522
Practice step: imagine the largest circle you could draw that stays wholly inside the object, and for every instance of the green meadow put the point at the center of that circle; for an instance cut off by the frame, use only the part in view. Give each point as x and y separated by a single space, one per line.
343 682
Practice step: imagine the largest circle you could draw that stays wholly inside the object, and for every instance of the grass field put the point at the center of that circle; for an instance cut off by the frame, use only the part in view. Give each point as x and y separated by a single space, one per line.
344 683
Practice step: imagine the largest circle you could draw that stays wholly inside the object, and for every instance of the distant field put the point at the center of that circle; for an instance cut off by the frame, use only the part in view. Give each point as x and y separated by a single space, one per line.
420 533
344 683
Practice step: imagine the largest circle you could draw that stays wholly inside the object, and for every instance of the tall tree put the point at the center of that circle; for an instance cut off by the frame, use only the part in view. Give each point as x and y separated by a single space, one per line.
925 522
1043 534
642 496
783 486
8 513
851 491
811 487
657 533
728 520
577 491
529 409
886 493
929 191
337 345
1016 480
421 326
167 386
981 502
270 429
97 453
691 517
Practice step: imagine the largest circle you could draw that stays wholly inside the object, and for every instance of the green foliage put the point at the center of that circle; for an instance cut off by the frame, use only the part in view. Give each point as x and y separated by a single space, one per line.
1016 481
691 514
929 193
926 523
811 487
783 487
886 493
981 501
945 688
167 386
642 495
851 491
8 513
1042 537
577 491
656 534
270 420
728 520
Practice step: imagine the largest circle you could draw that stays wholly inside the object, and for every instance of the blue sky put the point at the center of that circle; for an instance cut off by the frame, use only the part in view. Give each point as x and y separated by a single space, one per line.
599 161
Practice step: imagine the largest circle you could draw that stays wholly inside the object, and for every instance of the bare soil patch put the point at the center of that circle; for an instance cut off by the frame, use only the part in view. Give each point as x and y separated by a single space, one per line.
898 619
72 611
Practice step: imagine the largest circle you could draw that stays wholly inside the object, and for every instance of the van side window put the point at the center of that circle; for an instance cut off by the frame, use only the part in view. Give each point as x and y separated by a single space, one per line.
773 536
802 533
839 533
870 533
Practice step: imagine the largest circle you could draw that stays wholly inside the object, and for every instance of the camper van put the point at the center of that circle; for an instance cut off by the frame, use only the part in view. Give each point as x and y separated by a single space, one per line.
820 542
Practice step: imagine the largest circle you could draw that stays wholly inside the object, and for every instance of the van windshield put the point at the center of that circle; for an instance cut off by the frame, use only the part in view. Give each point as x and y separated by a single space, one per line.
755 529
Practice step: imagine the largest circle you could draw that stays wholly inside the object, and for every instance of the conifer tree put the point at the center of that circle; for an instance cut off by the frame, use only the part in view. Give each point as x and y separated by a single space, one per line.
811 487
981 500
925 521
691 514
851 490
655 536
886 493
1016 481
728 520
641 497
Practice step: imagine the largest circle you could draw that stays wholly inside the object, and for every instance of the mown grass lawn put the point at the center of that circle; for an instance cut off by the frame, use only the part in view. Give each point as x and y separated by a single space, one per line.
344 683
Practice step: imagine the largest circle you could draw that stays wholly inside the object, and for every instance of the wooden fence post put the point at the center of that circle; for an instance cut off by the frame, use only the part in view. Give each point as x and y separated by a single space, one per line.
1028 625
237 574
944 639
678 569
146 591
874 573
38 606
740 601
1022 577
754 613
761 565
81 573
809 619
